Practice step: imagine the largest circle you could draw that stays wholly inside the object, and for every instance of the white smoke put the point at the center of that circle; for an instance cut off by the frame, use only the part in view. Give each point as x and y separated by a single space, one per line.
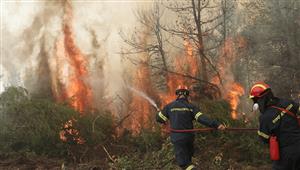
31 29
26 26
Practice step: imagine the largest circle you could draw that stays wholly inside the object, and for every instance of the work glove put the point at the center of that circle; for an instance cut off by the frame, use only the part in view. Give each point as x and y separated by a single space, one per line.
221 127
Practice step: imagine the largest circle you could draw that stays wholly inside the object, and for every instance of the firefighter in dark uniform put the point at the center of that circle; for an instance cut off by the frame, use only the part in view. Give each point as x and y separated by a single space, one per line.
181 114
273 121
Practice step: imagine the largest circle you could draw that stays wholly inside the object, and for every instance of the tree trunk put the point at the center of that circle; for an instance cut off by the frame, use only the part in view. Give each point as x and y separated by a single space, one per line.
200 45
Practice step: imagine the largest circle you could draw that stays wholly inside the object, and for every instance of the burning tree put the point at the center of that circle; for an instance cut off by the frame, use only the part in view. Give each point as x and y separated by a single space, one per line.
199 22
155 46
208 25
69 55
196 58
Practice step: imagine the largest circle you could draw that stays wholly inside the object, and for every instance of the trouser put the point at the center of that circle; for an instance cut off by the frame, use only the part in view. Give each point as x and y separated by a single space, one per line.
184 150
289 158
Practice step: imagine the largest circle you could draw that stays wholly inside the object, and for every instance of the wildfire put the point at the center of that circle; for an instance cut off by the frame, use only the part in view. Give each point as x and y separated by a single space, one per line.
186 64
191 61
75 87
231 90
70 134
233 96
69 72
141 109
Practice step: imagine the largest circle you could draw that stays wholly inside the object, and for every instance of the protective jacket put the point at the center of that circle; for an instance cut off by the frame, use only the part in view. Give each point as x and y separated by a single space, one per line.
181 114
276 122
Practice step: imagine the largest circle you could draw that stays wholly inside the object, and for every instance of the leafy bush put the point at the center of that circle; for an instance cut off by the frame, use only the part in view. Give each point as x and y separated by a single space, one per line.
234 144
95 130
213 150
33 125
30 124
156 159
147 140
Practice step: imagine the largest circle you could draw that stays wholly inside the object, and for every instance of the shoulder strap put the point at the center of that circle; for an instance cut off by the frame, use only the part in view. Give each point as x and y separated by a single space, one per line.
285 110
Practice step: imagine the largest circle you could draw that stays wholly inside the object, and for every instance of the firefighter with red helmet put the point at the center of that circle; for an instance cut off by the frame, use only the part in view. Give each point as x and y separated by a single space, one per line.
278 119
181 114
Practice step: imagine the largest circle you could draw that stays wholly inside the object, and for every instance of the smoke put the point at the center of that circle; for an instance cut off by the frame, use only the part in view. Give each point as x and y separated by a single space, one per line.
34 52
29 30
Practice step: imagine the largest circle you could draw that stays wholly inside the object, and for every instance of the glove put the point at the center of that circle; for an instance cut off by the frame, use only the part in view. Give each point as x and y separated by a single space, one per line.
221 127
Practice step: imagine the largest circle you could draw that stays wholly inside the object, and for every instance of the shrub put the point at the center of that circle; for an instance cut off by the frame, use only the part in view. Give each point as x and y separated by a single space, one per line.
95 130
158 158
234 144
33 125
30 124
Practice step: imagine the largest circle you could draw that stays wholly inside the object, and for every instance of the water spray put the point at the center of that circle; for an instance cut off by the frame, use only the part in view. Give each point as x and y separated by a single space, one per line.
152 102
143 95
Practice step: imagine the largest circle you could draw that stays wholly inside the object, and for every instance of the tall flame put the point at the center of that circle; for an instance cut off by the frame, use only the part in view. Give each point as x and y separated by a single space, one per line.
231 90
185 64
233 96
141 109
75 87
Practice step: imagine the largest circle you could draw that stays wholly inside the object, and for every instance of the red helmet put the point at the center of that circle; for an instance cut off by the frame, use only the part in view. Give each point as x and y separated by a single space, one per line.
258 89
182 90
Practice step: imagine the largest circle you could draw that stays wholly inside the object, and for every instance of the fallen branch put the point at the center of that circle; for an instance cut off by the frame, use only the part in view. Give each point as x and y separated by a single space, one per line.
93 125
107 153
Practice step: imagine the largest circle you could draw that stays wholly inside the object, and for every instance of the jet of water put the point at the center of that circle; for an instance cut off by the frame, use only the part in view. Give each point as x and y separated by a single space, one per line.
143 95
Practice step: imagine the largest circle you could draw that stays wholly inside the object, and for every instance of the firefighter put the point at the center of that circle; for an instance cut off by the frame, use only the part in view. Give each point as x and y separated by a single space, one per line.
181 114
276 119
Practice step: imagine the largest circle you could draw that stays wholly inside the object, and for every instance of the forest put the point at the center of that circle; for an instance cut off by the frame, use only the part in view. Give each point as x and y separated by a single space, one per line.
81 82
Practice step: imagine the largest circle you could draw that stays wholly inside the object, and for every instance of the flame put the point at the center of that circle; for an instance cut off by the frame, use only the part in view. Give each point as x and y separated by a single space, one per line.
233 96
69 71
191 61
185 63
74 87
70 134
231 90
140 108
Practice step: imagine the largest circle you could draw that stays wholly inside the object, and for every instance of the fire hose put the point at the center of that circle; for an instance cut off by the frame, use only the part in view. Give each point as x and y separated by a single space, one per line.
209 129
232 129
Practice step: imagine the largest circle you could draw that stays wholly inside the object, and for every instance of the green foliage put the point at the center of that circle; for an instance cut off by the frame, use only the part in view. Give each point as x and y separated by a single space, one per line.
147 150
213 150
33 125
30 124
232 143
95 128
147 140
152 159
219 110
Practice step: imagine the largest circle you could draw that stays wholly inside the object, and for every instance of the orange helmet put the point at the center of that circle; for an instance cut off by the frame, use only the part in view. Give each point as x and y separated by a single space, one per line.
258 89
182 90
